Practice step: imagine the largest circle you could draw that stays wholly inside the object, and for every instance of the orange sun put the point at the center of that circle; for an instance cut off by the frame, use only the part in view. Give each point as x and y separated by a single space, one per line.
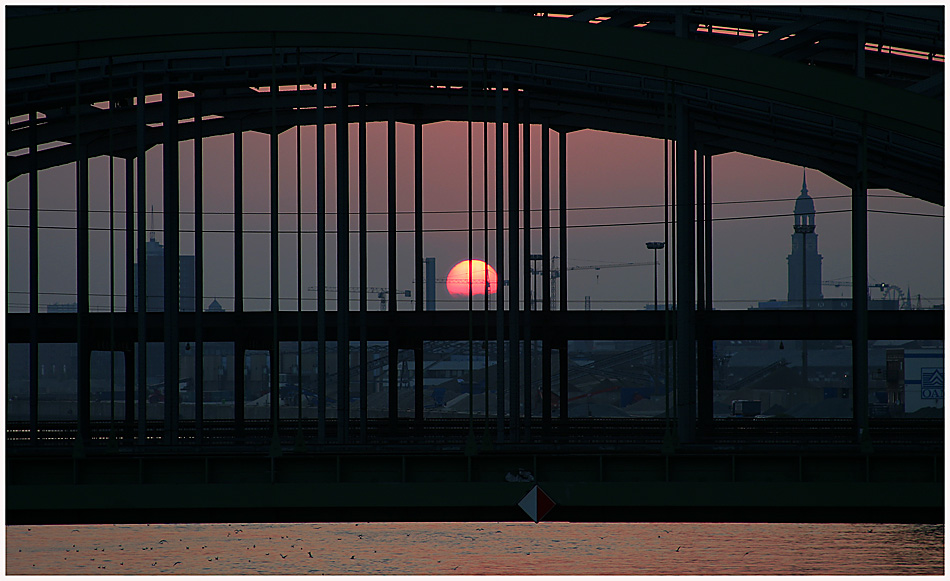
457 281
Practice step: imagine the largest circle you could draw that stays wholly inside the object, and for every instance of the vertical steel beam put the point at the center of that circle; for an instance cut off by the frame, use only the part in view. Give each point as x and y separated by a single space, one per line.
299 440
239 279
470 442
486 104
342 261
393 347
129 353
514 334
500 257
112 347
142 298
704 403
82 275
562 267
417 217
700 229
170 206
34 280
562 217
418 376
546 277
708 230
859 276
686 269
526 258
129 428
274 253
199 271
82 270
320 163
363 257
129 235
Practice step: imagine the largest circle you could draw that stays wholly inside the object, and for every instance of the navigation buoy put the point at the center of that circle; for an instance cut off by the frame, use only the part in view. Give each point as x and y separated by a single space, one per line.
536 503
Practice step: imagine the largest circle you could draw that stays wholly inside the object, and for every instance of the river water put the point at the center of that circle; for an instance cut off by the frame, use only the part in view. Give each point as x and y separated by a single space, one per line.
488 548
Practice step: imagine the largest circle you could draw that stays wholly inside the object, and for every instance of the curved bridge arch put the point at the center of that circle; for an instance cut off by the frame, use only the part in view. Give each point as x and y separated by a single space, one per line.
577 77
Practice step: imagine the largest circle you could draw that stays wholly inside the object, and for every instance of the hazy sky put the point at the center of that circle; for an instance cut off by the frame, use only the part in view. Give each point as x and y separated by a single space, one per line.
604 170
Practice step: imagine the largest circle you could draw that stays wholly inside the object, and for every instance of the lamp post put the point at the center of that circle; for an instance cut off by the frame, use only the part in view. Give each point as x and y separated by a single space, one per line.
654 246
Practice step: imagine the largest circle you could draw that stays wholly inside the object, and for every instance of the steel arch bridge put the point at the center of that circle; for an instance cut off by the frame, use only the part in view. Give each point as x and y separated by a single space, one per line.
855 93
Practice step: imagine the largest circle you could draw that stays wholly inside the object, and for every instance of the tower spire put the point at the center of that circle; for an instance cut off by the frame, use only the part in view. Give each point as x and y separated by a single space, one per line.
804 187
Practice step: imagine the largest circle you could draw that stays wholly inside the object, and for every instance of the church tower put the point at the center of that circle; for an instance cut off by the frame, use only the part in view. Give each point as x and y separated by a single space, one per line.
804 263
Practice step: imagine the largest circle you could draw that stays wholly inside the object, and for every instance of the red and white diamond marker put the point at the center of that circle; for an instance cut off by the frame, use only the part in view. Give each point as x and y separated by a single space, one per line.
537 504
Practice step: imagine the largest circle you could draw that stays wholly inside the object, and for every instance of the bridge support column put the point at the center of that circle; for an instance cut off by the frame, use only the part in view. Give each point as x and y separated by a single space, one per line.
391 235
500 261
545 279
859 276
199 274
170 205
142 303
686 283
128 430
562 267
704 347
34 281
274 260
238 281
83 350
342 263
514 338
320 162
419 374
363 256
419 384
526 263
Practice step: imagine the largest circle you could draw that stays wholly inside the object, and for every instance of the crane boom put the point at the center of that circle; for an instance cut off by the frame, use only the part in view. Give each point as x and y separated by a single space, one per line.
611 265
556 272
380 292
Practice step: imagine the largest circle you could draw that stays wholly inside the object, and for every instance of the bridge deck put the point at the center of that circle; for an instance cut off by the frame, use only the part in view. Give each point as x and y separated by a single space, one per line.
599 470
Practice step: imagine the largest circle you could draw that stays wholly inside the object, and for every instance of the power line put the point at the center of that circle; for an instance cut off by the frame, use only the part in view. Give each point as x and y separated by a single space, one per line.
444 230
436 212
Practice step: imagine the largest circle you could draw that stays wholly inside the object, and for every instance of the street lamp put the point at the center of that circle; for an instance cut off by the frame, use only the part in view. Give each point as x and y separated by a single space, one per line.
654 246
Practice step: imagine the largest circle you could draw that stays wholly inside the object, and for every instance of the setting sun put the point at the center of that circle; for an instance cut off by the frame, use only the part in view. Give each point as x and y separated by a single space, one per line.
457 281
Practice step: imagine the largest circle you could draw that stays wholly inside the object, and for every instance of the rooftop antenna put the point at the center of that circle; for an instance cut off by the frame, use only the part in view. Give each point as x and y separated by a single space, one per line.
151 234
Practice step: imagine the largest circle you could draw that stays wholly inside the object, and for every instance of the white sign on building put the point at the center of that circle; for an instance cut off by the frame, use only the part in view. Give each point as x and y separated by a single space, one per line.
923 379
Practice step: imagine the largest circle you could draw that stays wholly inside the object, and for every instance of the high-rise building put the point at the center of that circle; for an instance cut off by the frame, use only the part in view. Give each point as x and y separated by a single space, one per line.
804 263
155 279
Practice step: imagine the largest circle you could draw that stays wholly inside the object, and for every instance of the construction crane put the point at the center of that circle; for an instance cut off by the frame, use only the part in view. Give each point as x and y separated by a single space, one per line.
381 293
885 288
556 272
